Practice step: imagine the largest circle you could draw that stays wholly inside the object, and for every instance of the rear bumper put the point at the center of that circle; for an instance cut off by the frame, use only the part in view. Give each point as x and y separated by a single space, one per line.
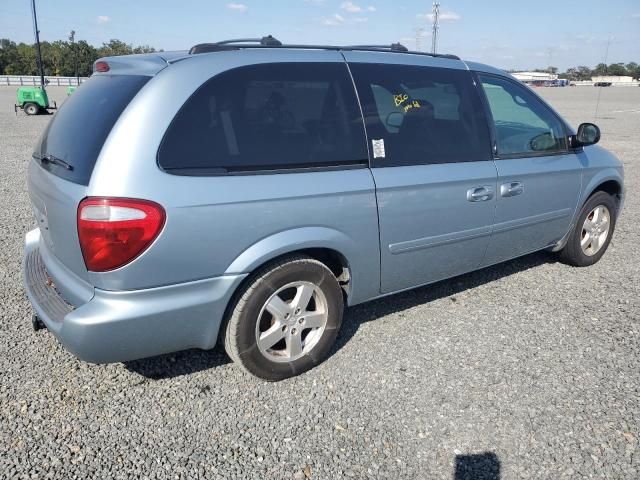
116 326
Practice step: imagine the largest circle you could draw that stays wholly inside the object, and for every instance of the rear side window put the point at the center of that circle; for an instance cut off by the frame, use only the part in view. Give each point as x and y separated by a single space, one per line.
265 117
421 115
78 130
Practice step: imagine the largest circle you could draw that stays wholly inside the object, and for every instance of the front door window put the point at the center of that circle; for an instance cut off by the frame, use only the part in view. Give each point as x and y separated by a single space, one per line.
524 125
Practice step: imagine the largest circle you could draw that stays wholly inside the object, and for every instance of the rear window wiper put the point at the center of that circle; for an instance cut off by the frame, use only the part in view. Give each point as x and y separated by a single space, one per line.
53 160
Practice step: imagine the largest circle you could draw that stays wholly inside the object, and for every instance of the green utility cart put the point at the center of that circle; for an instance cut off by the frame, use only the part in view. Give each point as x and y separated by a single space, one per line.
33 100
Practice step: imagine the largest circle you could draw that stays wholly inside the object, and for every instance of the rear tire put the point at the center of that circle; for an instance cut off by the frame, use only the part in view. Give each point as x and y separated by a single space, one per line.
31 108
593 231
286 319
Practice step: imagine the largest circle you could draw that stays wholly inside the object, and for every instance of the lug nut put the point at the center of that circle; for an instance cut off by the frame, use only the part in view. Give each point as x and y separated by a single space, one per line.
293 330
297 311
301 320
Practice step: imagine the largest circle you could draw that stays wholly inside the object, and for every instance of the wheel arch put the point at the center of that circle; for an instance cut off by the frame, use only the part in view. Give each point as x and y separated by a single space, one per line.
318 243
335 249
332 259
610 181
612 187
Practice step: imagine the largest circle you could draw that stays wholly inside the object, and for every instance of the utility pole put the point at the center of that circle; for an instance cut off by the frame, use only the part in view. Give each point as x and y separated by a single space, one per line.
38 52
606 57
436 26
606 54
72 37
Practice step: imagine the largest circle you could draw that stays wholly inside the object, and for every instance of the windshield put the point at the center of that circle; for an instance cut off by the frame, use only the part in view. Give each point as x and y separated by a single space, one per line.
78 130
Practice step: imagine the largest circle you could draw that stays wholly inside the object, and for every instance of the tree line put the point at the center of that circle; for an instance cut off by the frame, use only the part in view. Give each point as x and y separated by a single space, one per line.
60 57
631 69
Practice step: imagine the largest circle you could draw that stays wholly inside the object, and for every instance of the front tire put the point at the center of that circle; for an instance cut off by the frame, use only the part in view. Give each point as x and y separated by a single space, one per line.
286 319
593 231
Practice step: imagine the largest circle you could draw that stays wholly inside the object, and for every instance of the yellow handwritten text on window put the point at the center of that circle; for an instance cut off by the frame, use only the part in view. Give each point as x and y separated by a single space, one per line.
400 99
409 106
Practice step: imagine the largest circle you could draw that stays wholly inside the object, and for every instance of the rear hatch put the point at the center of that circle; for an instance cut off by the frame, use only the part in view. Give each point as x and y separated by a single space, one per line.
64 158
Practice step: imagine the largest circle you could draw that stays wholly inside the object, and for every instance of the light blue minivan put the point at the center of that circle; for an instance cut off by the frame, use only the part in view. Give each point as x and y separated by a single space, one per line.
248 191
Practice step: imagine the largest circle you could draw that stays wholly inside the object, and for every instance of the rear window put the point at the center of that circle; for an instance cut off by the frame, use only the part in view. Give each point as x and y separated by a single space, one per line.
265 117
78 130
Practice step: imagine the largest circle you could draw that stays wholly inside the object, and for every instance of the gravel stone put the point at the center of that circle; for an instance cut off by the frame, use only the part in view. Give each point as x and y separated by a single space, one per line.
529 369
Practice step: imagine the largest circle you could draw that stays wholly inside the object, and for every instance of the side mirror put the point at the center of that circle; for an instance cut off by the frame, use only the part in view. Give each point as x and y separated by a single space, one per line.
588 134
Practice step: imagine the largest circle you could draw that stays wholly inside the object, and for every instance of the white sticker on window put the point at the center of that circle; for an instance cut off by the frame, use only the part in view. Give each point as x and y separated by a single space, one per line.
378 148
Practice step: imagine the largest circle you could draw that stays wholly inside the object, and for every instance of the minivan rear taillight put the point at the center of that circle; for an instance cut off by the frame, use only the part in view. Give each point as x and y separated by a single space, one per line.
114 231
102 66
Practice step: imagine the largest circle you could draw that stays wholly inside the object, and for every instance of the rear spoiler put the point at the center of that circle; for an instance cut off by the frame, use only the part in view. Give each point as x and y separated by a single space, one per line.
140 64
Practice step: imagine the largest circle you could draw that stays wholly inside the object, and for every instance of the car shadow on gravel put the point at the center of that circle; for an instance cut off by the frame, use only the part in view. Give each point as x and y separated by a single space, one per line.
179 363
371 311
481 466
193 361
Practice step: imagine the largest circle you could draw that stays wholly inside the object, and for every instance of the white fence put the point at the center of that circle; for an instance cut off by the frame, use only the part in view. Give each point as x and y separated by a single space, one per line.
18 80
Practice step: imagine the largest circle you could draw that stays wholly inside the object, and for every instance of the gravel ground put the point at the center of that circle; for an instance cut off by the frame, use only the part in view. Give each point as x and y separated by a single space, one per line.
529 369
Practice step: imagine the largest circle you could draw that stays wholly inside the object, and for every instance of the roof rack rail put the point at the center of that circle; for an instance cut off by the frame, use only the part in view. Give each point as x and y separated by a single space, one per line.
267 41
270 42
394 47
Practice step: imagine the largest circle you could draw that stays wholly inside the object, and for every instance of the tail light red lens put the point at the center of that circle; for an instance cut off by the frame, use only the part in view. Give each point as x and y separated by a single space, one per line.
102 67
114 231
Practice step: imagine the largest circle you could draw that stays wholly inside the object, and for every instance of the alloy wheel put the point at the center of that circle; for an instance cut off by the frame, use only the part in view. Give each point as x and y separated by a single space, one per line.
595 230
291 322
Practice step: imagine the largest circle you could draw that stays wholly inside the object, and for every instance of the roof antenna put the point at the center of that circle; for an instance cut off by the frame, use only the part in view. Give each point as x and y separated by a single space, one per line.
606 56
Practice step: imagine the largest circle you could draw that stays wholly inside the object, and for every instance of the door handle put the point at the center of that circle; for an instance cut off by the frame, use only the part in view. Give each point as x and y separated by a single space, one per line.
480 194
511 189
